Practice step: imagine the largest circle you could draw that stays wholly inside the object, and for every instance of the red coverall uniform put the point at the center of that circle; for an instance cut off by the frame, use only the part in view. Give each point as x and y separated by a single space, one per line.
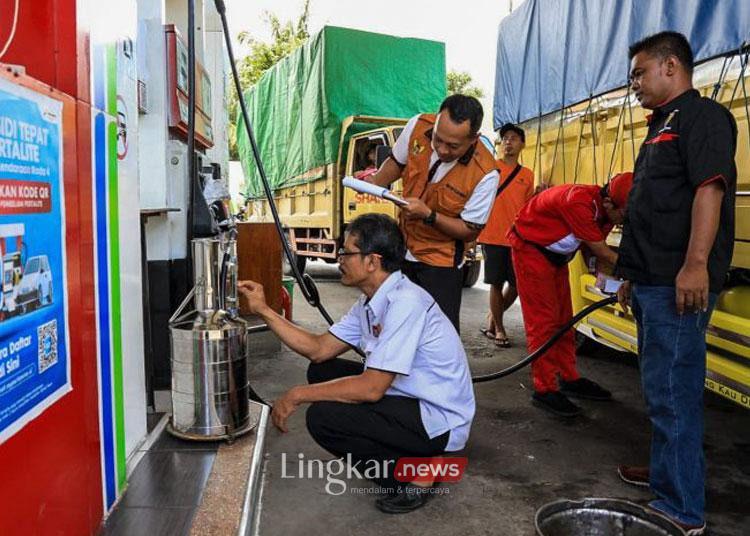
556 220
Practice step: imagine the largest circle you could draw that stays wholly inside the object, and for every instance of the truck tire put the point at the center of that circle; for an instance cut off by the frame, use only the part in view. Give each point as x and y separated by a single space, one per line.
471 273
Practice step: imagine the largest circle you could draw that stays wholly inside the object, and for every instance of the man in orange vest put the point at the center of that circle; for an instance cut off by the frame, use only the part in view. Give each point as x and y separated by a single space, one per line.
545 236
450 179
516 187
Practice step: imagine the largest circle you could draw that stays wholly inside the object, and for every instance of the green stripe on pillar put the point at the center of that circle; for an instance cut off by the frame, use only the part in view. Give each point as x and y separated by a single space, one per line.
112 84
114 265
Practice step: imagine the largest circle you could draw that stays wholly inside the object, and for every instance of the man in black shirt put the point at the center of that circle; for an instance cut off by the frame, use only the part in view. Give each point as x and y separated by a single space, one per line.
674 255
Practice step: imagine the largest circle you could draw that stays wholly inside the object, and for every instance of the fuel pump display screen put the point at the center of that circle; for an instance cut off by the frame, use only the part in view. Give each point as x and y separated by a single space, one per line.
34 366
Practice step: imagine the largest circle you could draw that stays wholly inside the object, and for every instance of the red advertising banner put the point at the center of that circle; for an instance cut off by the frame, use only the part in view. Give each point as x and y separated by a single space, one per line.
24 197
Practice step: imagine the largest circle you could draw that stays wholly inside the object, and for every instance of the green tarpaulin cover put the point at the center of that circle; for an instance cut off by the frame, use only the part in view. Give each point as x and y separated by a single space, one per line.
297 107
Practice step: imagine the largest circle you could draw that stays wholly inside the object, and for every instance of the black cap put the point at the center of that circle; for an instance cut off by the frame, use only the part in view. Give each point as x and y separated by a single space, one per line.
510 127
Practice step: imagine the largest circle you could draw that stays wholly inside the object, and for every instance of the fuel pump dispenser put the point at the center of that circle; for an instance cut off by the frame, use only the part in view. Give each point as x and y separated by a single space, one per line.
209 350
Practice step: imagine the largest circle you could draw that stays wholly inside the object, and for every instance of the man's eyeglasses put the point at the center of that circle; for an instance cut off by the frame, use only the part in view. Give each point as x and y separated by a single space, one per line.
343 253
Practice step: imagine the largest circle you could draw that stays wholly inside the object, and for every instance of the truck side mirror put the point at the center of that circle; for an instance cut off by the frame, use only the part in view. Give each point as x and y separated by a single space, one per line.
382 152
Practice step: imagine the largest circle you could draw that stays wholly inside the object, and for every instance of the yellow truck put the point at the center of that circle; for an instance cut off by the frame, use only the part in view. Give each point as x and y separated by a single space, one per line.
561 72
591 141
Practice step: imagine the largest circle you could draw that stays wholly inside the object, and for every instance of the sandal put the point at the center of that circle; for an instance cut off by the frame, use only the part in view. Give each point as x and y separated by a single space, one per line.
487 333
503 343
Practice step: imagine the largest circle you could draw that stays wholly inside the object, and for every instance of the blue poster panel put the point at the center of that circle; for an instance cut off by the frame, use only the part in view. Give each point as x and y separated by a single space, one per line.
34 361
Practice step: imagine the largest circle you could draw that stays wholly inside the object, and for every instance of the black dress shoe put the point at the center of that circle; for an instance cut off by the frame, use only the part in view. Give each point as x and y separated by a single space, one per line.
405 499
584 388
555 402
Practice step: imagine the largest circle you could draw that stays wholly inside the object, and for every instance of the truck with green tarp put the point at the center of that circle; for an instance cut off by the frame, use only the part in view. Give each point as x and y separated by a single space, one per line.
318 113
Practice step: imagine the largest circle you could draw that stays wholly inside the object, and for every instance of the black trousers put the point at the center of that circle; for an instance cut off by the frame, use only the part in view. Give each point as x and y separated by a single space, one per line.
443 284
385 430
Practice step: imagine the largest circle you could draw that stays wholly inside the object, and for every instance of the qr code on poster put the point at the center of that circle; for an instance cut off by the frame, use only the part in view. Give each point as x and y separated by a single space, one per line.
47 345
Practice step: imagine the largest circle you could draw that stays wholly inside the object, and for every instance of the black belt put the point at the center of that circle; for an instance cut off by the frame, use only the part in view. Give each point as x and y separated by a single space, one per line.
557 259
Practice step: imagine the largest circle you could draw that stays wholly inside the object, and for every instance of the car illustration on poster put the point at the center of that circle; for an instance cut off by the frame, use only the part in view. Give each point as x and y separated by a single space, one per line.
35 289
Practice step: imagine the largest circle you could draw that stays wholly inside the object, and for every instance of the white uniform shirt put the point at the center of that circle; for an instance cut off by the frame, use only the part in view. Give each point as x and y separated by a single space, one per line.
402 330
479 205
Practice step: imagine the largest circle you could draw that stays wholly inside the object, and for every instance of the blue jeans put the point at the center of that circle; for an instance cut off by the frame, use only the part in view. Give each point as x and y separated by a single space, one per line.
672 350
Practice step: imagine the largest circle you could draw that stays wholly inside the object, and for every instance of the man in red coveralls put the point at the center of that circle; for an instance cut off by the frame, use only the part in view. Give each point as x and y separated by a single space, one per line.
545 236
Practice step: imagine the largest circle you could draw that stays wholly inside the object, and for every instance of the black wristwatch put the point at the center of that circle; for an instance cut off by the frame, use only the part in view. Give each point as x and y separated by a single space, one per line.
430 220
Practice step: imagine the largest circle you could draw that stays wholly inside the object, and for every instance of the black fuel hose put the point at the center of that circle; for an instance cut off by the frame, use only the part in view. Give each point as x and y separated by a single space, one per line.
192 173
224 270
306 283
536 354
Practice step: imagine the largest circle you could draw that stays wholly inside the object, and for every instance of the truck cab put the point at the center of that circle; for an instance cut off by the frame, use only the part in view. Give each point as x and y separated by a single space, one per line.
315 215
359 165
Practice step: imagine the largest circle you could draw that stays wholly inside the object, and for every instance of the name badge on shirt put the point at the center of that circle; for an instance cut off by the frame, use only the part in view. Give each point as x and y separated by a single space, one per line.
416 147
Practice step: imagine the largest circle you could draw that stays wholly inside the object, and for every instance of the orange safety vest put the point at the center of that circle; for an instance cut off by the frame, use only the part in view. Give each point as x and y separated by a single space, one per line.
447 197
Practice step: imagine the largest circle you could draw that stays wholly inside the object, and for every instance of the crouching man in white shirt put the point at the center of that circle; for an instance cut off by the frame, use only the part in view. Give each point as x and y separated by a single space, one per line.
412 397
